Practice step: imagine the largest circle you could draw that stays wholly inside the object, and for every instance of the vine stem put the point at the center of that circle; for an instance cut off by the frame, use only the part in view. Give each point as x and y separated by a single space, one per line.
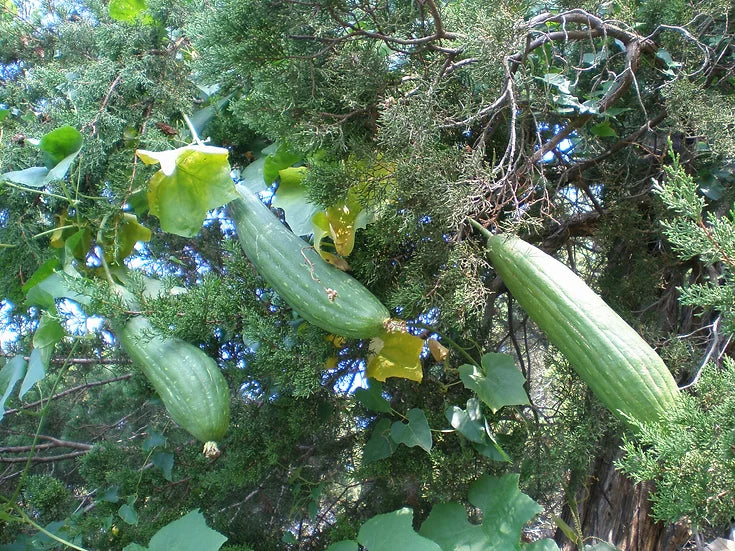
14 499
72 202
52 230
51 535
451 342
193 130
44 412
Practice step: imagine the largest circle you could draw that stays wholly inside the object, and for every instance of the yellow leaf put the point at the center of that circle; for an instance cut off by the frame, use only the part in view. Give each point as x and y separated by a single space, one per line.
331 362
57 238
336 340
395 354
342 226
322 229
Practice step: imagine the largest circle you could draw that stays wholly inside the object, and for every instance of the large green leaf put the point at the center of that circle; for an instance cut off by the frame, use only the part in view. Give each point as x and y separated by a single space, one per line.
393 532
505 511
128 513
380 445
48 332
473 425
58 285
498 384
12 372
414 433
59 148
59 144
192 181
189 533
372 397
448 526
129 11
291 197
165 462
34 176
347 545
121 239
469 423
275 162
37 364
545 544
43 271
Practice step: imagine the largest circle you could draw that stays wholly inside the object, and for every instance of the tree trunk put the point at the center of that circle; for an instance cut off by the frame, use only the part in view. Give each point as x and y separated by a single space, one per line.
612 509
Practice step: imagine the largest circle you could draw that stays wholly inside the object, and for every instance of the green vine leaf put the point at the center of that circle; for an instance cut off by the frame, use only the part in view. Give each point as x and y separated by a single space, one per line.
60 144
414 433
473 425
164 461
469 423
59 148
603 130
505 511
380 445
372 397
192 181
155 439
12 372
48 332
393 531
129 11
128 513
189 533
275 162
291 197
37 364
122 239
545 544
498 384
346 545
34 176
448 526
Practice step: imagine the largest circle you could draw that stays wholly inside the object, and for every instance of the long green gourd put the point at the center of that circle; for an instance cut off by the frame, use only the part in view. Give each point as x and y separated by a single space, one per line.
189 382
319 292
623 371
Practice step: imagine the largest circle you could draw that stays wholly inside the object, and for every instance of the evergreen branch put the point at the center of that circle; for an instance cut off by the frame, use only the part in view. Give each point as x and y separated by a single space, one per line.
67 392
710 350
72 202
438 34
616 91
598 28
79 361
577 169
48 534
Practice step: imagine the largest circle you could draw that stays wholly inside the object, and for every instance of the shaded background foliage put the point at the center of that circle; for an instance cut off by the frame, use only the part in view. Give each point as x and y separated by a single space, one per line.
429 112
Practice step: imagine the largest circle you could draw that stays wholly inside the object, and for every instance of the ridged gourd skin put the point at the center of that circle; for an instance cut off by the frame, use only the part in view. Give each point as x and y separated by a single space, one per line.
623 371
322 294
188 381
